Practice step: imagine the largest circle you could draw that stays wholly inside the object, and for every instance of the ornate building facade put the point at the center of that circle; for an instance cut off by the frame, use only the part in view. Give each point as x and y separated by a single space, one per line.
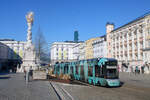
89 48
61 52
76 50
130 43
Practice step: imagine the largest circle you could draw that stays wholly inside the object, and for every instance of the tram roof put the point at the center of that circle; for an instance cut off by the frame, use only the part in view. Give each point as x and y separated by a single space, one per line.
110 59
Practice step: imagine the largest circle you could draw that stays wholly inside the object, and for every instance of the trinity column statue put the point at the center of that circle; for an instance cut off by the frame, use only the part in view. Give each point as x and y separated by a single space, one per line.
29 57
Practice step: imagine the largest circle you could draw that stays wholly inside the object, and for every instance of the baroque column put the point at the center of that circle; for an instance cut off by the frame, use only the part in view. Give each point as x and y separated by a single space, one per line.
29 18
29 58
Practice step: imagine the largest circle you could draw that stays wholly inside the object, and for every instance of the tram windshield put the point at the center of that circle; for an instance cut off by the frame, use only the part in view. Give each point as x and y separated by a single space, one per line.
112 73
112 63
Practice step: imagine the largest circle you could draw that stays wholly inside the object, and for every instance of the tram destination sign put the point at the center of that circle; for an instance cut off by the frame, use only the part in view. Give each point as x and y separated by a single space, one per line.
111 67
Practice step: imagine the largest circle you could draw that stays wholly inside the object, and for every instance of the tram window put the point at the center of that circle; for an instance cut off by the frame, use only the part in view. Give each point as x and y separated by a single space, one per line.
71 70
61 70
103 71
76 69
66 69
97 71
90 71
82 70
112 73
58 68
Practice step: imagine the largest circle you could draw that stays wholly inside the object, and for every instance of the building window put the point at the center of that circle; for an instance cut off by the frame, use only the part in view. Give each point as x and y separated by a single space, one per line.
141 29
148 21
149 43
148 31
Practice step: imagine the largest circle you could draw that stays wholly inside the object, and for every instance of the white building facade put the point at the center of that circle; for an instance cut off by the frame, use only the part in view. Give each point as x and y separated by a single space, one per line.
100 47
129 42
82 51
61 52
11 50
15 49
76 51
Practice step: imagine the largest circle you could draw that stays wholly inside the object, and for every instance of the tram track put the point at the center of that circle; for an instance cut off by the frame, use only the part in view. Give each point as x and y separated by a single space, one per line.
61 92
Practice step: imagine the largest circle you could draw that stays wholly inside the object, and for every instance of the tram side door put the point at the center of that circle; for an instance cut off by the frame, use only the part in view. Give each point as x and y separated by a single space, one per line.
72 72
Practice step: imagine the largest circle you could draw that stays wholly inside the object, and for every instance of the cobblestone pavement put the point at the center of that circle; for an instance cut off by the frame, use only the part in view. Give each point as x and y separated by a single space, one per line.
141 80
13 87
131 90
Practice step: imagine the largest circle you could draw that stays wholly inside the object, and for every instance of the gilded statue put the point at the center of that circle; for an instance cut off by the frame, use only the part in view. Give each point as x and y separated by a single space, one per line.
29 17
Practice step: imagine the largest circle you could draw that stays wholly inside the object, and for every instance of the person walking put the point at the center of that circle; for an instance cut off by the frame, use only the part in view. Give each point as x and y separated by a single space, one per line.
31 73
27 73
47 76
142 69
136 70
24 73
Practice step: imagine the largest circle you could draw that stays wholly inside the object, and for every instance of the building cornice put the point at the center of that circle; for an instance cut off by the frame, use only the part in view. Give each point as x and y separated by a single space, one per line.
131 22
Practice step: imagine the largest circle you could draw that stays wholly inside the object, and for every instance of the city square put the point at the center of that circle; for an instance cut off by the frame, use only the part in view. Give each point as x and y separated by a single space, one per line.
77 51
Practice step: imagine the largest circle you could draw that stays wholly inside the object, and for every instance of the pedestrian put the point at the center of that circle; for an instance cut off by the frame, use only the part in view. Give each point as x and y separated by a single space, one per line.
47 76
142 69
31 72
136 70
24 73
27 73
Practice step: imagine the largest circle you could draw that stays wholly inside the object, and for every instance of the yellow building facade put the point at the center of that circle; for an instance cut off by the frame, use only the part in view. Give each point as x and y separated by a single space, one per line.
89 48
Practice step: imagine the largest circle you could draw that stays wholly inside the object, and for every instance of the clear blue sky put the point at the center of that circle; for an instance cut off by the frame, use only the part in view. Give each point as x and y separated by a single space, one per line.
58 19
